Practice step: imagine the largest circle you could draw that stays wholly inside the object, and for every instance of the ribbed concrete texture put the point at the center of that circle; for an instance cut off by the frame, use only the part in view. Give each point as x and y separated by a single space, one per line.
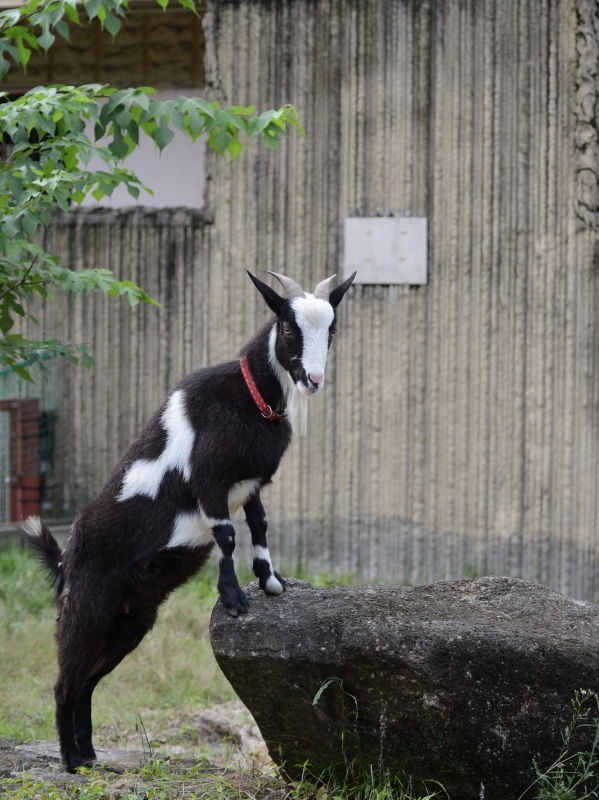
458 433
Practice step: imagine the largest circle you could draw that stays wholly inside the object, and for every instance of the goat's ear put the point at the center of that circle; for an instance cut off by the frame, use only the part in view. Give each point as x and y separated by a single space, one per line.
336 295
273 300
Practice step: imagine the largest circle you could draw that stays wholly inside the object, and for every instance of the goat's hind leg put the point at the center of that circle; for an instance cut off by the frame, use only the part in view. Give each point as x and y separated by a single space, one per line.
76 657
269 580
126 633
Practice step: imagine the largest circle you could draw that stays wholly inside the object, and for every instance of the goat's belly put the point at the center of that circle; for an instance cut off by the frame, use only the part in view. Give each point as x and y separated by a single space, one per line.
239 493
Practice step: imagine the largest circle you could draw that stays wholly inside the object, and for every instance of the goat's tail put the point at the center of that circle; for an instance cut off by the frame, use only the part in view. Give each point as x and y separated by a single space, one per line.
38 537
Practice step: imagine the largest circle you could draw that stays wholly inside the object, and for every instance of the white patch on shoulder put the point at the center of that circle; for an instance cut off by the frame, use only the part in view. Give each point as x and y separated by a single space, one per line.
314 317
239 493
144 477
189 531
32 526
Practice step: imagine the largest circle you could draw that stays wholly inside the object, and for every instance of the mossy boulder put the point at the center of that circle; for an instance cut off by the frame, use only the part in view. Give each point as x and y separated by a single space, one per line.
462 682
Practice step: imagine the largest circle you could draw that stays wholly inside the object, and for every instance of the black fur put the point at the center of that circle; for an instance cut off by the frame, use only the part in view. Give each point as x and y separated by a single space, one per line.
117 568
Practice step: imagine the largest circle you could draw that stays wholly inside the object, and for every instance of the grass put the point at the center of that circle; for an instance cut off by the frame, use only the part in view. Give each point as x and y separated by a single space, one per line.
157 781
172 675
173 667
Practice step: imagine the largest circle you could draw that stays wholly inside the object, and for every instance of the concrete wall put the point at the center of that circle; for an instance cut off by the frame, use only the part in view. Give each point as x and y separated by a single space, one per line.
459 429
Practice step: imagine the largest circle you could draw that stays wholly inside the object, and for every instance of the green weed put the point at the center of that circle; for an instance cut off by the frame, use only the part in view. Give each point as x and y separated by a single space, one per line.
359 782
574 775
353 779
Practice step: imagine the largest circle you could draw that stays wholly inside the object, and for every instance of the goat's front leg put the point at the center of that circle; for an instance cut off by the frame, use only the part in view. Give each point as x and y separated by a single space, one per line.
269 580
231 594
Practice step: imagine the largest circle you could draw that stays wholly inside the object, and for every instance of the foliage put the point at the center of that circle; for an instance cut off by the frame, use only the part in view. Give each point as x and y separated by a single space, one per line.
53 133
575 773
162 780
354 779
358 782
155 780
22 589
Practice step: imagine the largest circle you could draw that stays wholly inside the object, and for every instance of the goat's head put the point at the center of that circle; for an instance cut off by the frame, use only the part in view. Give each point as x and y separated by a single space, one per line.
304 329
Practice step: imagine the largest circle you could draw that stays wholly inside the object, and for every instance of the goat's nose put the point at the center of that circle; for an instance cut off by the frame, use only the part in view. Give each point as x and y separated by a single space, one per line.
317 378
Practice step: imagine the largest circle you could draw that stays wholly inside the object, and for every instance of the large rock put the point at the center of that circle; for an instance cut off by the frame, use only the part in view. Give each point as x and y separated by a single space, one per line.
464 682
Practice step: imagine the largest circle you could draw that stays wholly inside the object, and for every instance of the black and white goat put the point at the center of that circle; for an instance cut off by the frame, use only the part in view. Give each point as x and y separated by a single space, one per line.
209 449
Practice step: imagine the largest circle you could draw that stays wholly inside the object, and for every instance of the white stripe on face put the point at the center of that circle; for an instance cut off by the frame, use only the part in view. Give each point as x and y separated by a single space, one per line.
314 317
143 476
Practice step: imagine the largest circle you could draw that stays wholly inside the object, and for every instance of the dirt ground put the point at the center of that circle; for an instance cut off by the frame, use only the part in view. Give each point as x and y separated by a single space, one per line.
222 737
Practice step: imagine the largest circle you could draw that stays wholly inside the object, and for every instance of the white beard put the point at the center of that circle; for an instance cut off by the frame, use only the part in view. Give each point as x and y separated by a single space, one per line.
297 405
296 402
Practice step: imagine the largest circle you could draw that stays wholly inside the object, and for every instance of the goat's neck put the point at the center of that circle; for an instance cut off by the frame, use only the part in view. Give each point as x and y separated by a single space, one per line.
267 376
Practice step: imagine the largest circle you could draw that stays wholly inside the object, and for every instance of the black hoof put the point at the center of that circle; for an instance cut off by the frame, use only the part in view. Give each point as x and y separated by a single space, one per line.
234 601
74 761
87 752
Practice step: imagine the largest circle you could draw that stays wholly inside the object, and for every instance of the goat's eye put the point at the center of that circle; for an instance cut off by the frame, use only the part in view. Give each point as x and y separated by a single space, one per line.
333 332
287 330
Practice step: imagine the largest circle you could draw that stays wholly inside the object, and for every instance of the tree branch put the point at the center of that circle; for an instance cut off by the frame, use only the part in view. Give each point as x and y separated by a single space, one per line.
20 283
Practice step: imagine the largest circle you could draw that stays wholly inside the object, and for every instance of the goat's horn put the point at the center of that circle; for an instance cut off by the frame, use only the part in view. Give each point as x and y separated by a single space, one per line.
323 288
292 288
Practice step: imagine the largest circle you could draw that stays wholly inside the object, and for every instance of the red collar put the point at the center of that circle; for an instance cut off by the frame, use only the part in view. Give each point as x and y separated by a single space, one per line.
267 412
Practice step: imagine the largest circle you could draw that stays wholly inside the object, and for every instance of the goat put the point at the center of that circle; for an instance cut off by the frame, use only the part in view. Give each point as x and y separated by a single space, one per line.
208 450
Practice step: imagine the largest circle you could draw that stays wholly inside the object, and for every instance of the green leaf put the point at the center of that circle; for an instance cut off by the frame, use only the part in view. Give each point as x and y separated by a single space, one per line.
22 373
325 685
163 135
118 146
99 130
47 39
188 4
246 112
262 121
15 185
221 139
163 4
10 226
112 24
30 223
71 12
195 123
235 147
62 28
92 7
205 107
22 37
133 191
4 65
271 141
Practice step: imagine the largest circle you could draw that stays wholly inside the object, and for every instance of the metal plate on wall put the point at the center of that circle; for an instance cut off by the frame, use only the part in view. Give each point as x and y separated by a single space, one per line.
386 249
